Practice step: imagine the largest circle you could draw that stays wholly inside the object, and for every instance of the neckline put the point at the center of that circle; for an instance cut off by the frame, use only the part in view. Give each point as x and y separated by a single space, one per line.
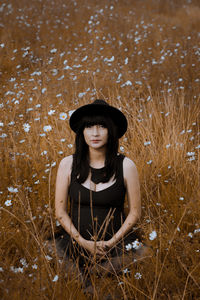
100 190
97 168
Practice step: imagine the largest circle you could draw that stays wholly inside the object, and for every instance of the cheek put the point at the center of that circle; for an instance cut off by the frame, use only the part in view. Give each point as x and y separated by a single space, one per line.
85 135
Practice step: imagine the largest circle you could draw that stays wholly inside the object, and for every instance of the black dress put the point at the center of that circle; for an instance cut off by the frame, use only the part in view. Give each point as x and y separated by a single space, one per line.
97 215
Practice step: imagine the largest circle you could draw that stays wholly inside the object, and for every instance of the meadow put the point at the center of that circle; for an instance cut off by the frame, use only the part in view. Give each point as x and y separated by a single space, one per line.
142 57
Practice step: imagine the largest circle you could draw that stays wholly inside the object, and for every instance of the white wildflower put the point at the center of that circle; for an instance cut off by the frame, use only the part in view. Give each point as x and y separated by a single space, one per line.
137 275
43 153
121 148
128 82
126 271
153 235
85 58
191 158
126 61
53 50
8 203
17 270
61 77
57 223
110 60
34 266
67 68
48 257
181 198
55 278
47 128
80 95
63 116
23 262
136 244
128 247
190 153
54 72
51 112
149 162
147 143
26 127
12 190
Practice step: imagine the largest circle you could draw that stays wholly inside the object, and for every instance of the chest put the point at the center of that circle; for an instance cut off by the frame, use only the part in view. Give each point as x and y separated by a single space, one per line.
111 194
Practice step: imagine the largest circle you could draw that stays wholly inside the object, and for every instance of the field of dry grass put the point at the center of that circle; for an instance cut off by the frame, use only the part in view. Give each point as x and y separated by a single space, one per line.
141 56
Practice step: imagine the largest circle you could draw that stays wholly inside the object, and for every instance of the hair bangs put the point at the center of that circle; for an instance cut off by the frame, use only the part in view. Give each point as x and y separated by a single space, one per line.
92 120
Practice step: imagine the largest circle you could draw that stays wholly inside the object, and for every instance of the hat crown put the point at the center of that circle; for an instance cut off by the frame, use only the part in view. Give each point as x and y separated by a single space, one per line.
97 107
100 102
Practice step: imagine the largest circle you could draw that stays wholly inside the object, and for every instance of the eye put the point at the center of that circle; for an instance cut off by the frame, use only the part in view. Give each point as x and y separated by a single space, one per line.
101 126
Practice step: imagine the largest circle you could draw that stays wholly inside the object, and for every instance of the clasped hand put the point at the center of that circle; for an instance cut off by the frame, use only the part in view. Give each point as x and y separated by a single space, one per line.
99 248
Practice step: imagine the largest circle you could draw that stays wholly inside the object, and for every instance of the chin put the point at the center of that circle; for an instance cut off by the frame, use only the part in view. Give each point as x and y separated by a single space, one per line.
97 146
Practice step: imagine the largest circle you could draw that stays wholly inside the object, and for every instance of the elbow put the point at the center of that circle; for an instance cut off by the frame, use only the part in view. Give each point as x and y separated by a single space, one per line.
136 215
58 215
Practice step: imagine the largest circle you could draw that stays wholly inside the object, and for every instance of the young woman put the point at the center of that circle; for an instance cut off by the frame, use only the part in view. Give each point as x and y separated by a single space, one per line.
96 180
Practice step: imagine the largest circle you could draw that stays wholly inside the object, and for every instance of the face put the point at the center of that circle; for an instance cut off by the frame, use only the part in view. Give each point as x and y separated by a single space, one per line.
96 136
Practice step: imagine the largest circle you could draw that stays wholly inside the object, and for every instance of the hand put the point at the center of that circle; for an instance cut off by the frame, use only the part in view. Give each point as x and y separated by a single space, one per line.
104 245
94 248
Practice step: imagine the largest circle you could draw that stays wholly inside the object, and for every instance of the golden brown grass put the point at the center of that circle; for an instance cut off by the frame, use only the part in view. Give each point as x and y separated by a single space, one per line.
57 56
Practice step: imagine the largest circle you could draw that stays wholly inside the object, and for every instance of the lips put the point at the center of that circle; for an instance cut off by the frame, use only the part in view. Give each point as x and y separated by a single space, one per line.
95 141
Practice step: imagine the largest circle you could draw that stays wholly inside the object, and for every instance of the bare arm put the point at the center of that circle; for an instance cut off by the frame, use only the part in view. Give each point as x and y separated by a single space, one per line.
133 193
62 188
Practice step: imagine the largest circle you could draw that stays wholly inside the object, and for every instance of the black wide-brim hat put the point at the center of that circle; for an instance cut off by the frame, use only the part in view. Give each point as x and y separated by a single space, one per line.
99 107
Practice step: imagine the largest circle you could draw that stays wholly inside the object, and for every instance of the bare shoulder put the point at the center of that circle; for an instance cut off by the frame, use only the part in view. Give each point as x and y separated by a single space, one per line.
66 164
129 164
129 168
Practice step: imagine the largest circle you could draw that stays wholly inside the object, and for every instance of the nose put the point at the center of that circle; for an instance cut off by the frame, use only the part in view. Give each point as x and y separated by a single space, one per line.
95 130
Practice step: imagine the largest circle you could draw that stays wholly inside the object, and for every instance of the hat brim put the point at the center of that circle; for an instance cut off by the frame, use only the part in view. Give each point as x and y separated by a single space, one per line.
115 114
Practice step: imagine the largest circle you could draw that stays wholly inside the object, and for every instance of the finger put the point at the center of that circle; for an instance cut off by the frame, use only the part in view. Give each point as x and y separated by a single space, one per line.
100 248
100 251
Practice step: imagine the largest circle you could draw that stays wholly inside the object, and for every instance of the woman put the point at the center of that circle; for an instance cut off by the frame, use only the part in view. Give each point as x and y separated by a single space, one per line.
96 179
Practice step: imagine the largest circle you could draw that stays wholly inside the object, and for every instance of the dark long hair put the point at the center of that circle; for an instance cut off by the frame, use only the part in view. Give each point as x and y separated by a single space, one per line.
81 164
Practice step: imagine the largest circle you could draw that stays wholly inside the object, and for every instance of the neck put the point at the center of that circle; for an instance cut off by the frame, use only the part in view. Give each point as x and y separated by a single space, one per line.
97 157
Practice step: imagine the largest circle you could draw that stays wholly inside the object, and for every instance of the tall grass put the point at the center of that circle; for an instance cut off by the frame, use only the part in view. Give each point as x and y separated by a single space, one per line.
140 56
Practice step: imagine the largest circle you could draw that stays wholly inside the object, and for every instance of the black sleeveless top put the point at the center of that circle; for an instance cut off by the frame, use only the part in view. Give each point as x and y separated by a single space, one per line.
98 214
